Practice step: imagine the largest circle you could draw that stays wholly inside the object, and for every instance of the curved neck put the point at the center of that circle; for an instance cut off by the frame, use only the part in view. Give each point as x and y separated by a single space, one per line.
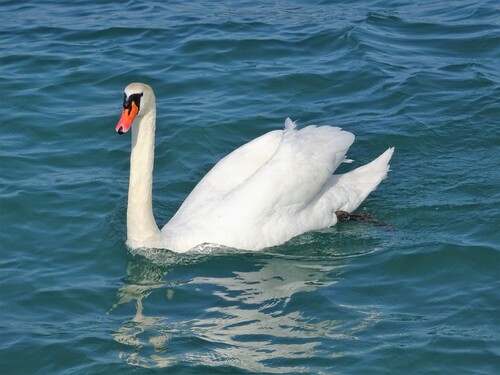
142 230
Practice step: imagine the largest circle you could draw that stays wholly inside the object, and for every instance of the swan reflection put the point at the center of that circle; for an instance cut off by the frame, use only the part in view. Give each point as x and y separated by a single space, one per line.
251 316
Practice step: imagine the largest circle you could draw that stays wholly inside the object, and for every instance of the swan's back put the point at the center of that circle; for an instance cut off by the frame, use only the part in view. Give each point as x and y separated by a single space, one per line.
268 191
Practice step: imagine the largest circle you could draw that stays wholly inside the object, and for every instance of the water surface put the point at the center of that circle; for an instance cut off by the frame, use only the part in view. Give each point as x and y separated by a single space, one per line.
421 297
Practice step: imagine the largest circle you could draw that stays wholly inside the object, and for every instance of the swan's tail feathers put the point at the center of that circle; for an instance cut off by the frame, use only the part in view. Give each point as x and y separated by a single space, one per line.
346 192
375 171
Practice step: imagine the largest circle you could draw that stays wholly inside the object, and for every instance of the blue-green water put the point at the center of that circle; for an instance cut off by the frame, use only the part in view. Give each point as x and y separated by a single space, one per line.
419 298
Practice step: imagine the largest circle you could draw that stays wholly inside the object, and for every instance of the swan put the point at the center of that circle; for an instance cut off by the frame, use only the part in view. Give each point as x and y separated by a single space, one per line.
264 193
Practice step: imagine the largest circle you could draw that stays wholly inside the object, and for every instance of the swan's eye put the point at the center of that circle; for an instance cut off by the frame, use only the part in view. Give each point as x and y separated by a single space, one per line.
135 98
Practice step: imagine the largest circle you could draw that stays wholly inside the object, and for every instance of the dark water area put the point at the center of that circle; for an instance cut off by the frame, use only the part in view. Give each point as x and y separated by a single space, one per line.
420 296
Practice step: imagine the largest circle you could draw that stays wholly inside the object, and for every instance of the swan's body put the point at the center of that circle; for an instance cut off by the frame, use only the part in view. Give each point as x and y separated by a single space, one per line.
262 194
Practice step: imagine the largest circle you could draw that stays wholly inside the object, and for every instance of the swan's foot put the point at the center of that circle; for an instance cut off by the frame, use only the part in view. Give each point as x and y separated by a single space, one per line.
346 216
364 217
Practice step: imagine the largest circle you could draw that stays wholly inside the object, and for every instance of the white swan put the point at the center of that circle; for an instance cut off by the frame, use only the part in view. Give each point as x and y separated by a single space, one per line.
262 194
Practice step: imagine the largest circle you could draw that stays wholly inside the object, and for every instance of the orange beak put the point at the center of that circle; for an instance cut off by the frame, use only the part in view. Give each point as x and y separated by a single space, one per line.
127 118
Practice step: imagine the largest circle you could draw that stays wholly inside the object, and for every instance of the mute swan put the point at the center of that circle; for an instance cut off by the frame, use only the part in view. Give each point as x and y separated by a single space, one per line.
262 194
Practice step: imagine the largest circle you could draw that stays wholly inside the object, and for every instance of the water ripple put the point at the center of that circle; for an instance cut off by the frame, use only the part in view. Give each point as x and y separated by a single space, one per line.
351 299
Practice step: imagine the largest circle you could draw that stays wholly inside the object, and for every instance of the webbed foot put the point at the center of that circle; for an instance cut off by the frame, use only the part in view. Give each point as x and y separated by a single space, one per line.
364 217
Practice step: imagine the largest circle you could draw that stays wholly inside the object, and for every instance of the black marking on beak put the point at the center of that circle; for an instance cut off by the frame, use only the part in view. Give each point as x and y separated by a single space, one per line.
127 101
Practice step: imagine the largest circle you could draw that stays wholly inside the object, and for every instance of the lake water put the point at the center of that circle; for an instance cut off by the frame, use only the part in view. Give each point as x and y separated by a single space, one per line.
420 297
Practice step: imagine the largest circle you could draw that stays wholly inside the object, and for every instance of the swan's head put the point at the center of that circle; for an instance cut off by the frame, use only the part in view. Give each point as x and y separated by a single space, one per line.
138 100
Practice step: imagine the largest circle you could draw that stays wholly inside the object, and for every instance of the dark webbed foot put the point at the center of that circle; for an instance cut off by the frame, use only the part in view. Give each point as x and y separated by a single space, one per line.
346 216
364 217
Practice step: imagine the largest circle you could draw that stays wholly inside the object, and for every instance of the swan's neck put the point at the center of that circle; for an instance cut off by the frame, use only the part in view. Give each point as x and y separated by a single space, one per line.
142 230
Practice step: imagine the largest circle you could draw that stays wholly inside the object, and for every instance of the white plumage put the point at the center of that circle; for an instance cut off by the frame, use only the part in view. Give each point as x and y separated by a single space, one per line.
269 190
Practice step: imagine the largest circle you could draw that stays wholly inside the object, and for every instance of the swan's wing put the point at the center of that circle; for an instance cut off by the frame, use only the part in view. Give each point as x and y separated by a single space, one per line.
240 164
299 169
227 174
254 197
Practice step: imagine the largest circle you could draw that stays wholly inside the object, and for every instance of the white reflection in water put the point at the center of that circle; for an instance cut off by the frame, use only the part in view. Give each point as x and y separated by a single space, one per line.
259 321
